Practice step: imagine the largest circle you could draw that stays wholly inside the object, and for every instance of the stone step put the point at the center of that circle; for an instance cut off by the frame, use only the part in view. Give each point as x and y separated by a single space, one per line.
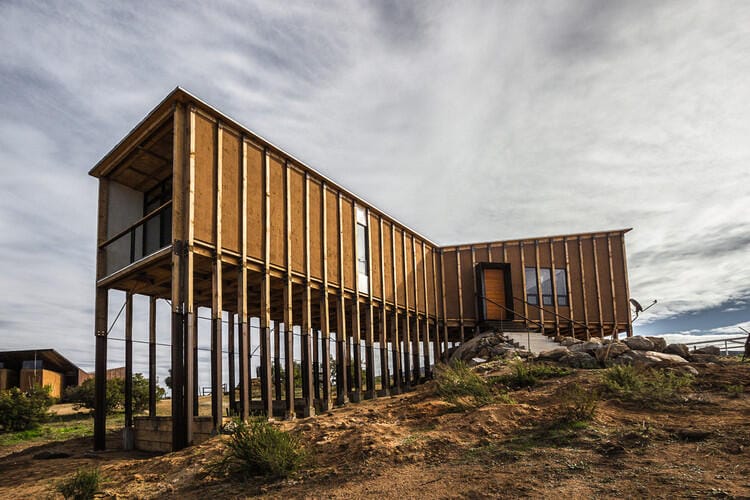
537 341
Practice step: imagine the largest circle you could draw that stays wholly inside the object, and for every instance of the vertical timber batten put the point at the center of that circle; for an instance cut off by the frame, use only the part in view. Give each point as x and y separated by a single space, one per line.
460 295
598 286
242 285
384 371
265 293
612 286
308 391
325 333
370 327
397 378
567 284
152 356
288 300
341 351
407 315
217 302
583 288
356 327
101 306
628 317
554 286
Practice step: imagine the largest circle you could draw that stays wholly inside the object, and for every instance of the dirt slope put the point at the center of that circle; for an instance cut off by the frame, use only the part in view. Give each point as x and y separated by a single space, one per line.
415 445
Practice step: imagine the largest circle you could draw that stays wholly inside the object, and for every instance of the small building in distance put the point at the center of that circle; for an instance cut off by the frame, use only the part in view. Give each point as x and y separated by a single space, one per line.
27 368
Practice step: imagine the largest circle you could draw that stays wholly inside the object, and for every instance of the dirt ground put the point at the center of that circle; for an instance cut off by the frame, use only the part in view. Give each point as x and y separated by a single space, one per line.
416 445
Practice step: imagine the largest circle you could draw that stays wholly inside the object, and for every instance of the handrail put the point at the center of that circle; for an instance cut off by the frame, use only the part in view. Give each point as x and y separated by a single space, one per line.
552 312
538 323
137 223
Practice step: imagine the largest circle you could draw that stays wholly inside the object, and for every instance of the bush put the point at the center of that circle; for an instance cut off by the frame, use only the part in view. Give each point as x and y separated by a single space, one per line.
257 448
578 404
82 485
20 411
84 394
529 374
647 386
458 385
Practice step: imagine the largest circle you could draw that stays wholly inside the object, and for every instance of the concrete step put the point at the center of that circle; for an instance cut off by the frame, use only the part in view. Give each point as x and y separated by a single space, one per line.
538 342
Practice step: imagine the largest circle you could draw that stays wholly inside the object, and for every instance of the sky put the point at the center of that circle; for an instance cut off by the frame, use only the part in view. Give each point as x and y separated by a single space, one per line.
468 121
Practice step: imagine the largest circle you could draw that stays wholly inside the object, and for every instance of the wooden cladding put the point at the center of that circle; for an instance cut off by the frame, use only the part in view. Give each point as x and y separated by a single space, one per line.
217 153
595 280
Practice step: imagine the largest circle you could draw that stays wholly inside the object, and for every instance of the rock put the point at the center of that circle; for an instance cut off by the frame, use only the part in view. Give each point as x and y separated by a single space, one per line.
709 349
579 360
554 354
691 370
703 358
651 358
587 347
569 341
611 350
477 361
665 358
639 343
660 343
678 349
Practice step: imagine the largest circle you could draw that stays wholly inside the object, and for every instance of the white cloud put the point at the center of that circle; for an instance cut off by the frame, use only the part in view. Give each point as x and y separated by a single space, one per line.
469 121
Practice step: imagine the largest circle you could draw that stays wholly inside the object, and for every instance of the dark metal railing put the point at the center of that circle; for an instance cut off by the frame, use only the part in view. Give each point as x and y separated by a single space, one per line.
558 315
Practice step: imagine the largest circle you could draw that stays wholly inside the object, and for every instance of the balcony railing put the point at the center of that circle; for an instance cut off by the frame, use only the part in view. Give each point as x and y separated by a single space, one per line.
150 233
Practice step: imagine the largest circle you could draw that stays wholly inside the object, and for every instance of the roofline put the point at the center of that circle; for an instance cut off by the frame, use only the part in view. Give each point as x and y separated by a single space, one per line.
49 349
179 94
533 238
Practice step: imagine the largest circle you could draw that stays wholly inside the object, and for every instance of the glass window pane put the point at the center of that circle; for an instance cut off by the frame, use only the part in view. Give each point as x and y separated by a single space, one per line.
362 249
561 284
546 279
532 292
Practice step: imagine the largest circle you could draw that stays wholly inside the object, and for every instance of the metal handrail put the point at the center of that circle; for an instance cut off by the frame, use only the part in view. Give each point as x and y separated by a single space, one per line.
136 224
734 340
552 312
538 323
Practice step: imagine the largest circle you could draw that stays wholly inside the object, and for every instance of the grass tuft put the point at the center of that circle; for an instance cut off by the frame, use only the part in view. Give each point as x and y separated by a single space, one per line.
458 385
82 485
646 386
529 374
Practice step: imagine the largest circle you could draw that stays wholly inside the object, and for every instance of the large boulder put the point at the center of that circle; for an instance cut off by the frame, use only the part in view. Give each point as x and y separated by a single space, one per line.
639 343
487 345
703 358
553 354
678 349
709 349
569 341
609 351
660 343
587 347
579 360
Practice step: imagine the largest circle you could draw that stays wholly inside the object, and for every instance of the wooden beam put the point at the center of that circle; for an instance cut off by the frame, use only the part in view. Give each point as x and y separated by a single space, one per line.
474 289
288 290
436 344
627 287
524 285
356 327
612 286
407 317
265 293
540 293
567 283
583 288
217 302
426 337
554 286
341 350
325 341
231 363
416 337
308 391
384 371
152 356
369 325
101 310
460 295
397 379
598 287
128 363
443 305
243 321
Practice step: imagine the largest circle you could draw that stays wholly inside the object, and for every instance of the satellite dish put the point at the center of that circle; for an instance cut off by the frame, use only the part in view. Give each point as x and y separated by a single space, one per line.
637 305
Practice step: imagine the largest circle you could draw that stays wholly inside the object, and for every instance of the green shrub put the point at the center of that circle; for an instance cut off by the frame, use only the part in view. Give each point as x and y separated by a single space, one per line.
257 448
82 485
647 386
84 394
578 404
529 374
20 411
735 391
458 385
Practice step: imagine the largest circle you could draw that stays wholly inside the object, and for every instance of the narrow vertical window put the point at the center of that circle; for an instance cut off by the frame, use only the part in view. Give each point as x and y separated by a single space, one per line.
546 279
362 250
561 284
532 291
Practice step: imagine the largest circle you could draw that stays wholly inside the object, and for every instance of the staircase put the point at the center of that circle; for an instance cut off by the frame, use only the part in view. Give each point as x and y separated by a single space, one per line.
538 342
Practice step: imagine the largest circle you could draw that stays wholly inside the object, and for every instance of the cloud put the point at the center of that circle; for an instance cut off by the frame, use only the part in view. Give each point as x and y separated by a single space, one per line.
471 121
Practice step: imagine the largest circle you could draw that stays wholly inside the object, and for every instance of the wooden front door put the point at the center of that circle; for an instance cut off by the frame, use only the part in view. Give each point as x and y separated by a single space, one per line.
494 291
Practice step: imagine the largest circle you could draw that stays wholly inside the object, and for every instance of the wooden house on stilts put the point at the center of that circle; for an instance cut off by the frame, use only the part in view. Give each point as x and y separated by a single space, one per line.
196 210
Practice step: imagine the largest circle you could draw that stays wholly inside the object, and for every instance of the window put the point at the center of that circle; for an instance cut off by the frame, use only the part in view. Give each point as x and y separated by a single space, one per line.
532 292
546 278
362 250
561 285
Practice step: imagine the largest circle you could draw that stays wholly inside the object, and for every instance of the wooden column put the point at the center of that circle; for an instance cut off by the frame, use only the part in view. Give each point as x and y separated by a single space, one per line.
437 345
417 323
396 352
217 392
194 362
100 372
584 302
384 371
407 317
243 325
369 324
308 391
342 353
288 297
230 360
612 287
554 286
474 289
128 360
152 356
426 337
443 304
460 295
265 294
567 283
523 282
325 335
598 286
539 283
356 326
276 333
